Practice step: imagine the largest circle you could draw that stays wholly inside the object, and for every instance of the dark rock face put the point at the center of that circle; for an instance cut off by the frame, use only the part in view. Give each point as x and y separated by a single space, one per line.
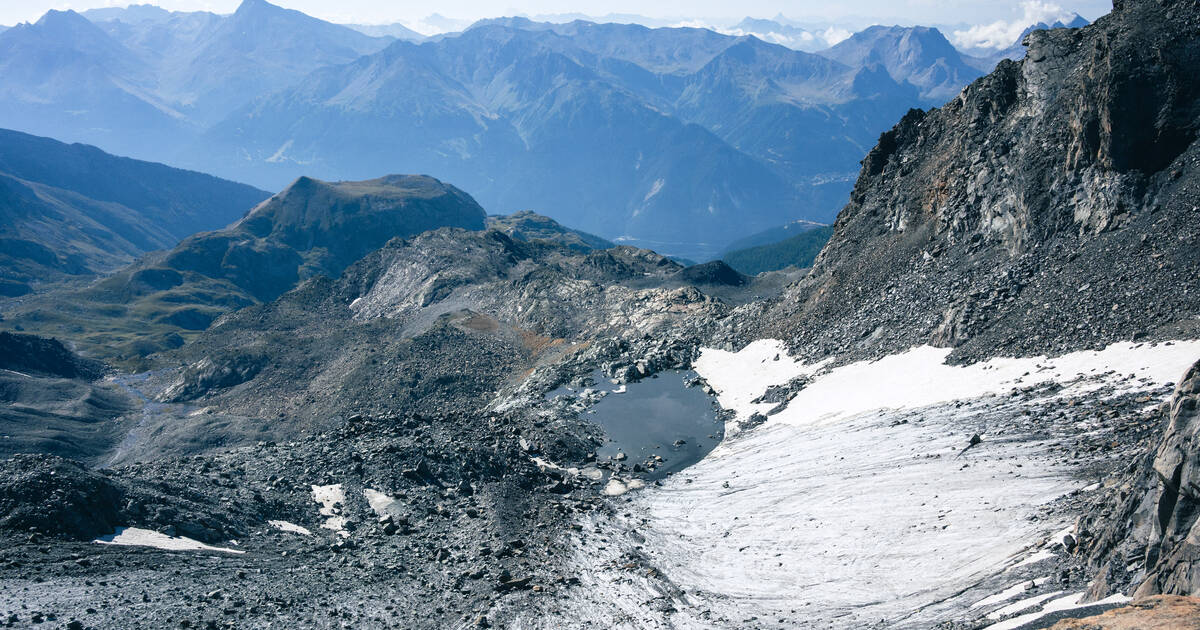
50 495
48 357
985 223
1173 558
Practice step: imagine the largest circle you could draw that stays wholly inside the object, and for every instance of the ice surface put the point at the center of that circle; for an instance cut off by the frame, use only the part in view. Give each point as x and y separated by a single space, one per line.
138 537
856 503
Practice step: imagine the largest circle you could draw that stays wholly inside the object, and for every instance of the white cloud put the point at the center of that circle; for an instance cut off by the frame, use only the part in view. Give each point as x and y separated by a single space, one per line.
1002 34
793 37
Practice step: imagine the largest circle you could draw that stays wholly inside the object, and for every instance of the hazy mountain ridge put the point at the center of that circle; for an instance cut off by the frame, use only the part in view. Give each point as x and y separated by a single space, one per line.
148 79
920 56
506 109
515 98
73 210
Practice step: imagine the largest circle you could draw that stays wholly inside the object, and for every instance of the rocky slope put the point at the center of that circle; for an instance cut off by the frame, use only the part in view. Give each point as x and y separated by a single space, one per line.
441 321
404 389
982 225
311 228
54 401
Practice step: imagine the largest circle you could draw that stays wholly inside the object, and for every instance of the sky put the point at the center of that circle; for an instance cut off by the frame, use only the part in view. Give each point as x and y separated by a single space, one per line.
997 15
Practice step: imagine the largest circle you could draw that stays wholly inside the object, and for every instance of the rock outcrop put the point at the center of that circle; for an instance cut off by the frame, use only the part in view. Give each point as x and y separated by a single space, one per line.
986 224
1173 556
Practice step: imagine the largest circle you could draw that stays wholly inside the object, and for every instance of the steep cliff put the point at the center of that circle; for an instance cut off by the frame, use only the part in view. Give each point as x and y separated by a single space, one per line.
1050 206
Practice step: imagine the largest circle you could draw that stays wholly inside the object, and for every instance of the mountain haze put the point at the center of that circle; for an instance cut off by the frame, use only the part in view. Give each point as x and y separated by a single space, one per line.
73 210
621 130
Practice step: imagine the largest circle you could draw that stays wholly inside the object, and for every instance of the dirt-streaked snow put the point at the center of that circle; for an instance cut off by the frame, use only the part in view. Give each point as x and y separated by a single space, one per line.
138 537
1070 602
917 378
1009 593
857 503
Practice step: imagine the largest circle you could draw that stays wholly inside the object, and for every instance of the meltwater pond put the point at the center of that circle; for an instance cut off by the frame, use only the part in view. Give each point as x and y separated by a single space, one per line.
660 415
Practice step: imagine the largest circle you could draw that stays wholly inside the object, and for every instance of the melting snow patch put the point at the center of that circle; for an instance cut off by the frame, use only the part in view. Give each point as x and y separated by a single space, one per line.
1009 593
382 504
1023 604
917 378
138 537
290 527
331 497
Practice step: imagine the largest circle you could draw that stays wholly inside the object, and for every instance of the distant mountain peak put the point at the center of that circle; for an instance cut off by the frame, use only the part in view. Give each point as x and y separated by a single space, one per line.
919 55
256 5
310 205
55 19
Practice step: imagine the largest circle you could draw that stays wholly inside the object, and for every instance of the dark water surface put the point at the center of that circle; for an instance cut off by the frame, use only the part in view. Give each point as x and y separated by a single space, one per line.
651 416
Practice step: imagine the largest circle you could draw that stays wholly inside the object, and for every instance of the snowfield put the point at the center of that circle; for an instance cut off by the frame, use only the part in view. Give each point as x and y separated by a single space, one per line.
859 505
138 537
919 377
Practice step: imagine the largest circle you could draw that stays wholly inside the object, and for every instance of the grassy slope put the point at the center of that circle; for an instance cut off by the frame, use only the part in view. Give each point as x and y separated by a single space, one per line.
797 251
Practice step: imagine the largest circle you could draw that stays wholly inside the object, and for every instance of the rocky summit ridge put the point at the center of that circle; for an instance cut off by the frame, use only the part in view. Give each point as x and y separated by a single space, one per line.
310 228
982 225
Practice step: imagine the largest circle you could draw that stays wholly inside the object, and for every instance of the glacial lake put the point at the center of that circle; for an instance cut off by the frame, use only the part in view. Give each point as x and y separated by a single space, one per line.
658 415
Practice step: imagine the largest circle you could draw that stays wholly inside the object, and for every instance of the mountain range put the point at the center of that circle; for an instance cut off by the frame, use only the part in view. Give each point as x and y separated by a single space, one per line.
680 139
675 138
